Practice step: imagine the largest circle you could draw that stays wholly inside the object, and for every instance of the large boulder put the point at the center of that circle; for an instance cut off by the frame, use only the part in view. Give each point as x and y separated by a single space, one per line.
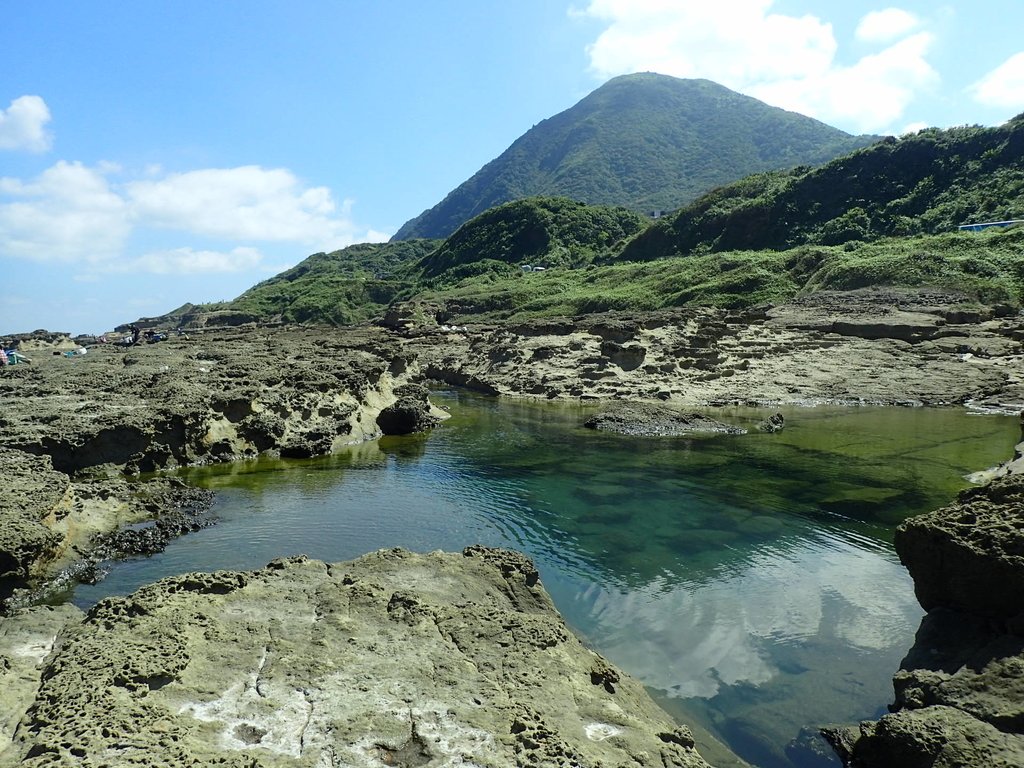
969 556
395 659
960 691
411 412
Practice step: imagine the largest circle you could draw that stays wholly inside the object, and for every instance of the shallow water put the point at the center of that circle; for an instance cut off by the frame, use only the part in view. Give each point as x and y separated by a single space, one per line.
749 581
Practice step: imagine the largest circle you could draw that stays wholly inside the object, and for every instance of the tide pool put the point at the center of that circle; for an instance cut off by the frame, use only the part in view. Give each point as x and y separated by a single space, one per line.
749 581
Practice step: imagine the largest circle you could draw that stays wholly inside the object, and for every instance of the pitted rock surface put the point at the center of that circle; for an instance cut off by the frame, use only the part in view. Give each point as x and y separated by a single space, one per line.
969 556
214 396
70 427
960 691
55 529
392 659
876 346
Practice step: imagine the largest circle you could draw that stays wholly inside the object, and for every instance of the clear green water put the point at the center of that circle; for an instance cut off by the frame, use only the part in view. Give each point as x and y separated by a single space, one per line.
749 581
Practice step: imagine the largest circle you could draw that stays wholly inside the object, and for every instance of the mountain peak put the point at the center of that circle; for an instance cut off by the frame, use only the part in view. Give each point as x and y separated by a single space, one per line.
644 141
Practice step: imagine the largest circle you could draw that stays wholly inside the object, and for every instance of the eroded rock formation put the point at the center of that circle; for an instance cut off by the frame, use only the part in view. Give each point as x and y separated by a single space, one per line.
887 347
391 659
72 427
641 419
960 691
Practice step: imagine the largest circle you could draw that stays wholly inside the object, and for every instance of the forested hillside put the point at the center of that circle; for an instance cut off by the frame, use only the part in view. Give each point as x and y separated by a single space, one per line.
926 183
644 142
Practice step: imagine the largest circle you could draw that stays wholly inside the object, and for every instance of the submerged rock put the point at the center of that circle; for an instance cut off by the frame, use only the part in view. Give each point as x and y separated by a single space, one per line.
645 420
392 659
774 423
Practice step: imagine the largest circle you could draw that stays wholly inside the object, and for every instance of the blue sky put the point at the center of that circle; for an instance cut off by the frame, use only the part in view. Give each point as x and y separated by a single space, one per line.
153 153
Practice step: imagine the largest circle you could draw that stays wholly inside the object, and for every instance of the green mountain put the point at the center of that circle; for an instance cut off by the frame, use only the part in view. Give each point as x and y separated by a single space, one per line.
644 141
883 215
925 183
537 231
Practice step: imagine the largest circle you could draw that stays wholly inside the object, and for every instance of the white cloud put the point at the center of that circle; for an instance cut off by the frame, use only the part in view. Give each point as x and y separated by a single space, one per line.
871 95
245 203
788 61
1003 87
68 213
76 214
886 26
182 261
23 125
734 40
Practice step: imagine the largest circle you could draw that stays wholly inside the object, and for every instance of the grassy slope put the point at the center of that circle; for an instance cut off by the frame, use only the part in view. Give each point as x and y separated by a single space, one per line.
885 215
541 231
339 288
987 265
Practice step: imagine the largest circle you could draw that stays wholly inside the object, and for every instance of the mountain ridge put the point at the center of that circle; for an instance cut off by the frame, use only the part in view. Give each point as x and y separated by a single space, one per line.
643 141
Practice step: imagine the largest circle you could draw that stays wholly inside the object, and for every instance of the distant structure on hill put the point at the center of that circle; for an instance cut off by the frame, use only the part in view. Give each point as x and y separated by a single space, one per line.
987 224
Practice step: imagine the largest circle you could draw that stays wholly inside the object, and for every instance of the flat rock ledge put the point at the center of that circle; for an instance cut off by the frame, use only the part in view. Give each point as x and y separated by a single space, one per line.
647 420
393 659
960 690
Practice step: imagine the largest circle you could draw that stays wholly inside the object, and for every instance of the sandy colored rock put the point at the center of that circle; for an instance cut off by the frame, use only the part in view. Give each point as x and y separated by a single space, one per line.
937 737
960 691
53 525
214 396
879 346
392 659
411 412
34 496
71 425
26 641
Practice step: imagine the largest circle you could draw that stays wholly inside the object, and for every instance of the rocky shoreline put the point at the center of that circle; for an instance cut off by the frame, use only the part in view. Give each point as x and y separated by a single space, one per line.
960 690
870 347
76 431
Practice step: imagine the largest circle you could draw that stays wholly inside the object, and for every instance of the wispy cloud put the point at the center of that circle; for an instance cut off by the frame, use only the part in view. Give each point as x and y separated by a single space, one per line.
886 26
788 61
23 125
1003 87
86 216
190 261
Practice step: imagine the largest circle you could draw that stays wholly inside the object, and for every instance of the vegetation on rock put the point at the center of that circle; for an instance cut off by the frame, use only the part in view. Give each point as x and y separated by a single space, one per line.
539 231
988 266
339 288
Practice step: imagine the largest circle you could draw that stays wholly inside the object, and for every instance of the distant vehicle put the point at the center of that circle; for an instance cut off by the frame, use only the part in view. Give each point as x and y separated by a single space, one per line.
987 224
540 269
